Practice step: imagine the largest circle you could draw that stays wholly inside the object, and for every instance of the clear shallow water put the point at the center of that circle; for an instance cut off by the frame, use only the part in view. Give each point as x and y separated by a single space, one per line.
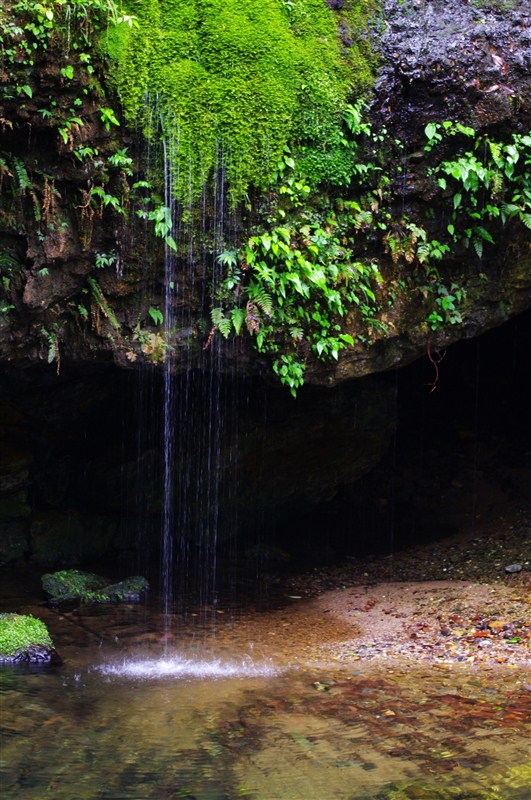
221 707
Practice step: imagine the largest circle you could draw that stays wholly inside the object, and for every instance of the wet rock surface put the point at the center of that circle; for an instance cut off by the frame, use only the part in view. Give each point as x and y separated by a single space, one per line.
439 60
86 587
449 59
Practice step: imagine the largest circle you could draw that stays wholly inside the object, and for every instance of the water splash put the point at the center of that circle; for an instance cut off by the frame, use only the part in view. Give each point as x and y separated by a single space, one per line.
180 667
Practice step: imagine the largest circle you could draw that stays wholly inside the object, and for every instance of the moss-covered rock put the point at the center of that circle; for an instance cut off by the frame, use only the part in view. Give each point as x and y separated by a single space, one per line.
236 82
130 590
25 638
72 584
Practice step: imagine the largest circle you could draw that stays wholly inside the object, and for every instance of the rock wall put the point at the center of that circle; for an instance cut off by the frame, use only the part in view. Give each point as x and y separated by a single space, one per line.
62 302
69 319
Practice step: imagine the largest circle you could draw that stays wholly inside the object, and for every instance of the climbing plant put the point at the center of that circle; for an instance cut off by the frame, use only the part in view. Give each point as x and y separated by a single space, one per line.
316 264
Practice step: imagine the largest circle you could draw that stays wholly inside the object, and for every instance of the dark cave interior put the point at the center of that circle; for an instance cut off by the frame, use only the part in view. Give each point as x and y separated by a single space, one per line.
454 451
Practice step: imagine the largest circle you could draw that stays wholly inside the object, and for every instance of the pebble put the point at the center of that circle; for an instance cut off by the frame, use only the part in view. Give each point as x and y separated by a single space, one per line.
513 568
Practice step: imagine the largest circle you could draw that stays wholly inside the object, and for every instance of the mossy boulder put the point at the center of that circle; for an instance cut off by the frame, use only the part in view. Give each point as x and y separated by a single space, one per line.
72 584
23 638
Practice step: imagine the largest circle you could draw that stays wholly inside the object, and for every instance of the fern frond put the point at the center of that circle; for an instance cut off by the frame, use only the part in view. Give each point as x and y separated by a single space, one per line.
496 152
23 179
238 318
509 210
221 322
228 258
296 332
25 186
260 297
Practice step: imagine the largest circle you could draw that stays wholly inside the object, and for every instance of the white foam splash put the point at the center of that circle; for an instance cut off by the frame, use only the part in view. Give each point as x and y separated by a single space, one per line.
179 667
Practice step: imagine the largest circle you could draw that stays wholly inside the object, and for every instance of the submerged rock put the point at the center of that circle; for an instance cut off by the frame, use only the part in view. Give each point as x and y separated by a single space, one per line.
23 638
130 590
72 584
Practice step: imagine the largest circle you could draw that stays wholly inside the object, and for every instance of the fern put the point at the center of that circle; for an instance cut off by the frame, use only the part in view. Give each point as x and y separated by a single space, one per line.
23 180
25 186
220 321
261 298
526 219
496 182
509 210
423 252
296 333
104 306
238 318
496 153
228 258
4 169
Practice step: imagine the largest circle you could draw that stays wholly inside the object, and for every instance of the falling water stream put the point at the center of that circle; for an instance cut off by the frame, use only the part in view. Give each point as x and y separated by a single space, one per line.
217 700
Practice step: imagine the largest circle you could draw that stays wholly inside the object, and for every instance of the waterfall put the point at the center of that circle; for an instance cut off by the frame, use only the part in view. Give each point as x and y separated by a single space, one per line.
198 406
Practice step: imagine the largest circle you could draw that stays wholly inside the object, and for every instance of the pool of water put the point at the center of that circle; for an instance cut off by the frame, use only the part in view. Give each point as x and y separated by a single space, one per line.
220 705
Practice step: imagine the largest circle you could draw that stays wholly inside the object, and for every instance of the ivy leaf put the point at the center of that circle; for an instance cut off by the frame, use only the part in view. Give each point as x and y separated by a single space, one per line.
346 337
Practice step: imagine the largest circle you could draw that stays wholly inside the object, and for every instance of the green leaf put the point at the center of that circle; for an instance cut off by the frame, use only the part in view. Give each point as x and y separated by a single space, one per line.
346 337
156 315
238 318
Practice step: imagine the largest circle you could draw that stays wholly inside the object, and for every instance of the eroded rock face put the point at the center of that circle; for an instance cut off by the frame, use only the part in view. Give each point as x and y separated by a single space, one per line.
451 60
470 60
441 59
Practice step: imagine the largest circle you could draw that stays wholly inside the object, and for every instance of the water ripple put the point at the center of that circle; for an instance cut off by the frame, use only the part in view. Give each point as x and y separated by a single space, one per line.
179 667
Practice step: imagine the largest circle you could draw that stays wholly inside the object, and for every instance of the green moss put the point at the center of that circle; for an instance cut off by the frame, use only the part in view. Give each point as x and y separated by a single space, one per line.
19 632
230 84
129 589
72 584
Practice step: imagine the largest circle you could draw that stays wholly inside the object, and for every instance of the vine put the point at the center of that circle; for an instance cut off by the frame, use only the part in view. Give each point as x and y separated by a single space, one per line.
314 267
